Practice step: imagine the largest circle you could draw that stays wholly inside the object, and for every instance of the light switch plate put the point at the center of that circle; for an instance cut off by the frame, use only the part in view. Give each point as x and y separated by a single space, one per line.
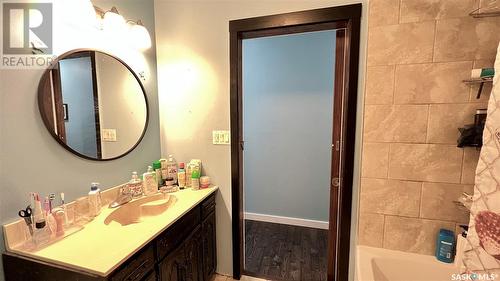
108 135
221 137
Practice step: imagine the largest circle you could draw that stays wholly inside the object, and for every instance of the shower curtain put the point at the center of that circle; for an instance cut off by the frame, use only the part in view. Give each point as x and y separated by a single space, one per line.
482 250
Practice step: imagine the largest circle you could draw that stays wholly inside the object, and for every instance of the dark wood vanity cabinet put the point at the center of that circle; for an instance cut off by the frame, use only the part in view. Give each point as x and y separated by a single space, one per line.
209 246
186 251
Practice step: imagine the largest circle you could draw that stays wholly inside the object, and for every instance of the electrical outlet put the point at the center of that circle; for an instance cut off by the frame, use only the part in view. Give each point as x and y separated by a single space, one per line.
221 137
109 135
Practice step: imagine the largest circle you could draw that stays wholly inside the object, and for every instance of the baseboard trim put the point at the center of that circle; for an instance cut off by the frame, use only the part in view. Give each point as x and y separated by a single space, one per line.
287 220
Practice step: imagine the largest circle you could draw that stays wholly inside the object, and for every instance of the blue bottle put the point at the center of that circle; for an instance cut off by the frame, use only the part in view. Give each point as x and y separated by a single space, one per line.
445 246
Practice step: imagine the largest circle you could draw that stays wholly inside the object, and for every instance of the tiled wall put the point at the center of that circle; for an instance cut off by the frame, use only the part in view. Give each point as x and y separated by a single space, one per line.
419 51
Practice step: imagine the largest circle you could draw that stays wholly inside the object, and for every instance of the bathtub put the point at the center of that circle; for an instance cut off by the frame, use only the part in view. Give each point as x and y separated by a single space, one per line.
376 264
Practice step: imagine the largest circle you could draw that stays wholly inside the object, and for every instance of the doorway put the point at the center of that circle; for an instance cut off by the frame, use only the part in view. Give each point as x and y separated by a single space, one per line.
288 83
346 21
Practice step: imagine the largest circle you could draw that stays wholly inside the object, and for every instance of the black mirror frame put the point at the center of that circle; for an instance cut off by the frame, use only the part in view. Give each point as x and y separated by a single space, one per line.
46 122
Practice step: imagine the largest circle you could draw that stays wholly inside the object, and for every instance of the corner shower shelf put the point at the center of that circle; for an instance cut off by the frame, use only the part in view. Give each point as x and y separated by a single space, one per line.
478 80
485 14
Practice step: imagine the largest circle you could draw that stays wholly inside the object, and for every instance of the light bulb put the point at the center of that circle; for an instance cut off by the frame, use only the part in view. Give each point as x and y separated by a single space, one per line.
140 37
113 21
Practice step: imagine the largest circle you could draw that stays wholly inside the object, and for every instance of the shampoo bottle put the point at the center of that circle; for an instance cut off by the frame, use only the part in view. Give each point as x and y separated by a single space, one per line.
445 246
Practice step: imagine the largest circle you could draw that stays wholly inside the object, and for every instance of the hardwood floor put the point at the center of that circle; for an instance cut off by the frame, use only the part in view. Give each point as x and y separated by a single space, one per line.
285 252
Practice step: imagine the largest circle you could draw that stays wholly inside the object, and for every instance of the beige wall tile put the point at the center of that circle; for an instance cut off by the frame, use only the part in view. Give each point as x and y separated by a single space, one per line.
432 83
401 123
383 12
466 39
412 235
421 10
375 161
371 229
403 43
379 84
425 162
444 119
437 202
471 157
391 197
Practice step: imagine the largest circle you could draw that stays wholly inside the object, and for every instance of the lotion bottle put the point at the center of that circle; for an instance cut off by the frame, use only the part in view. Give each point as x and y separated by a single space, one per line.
149 182
94 200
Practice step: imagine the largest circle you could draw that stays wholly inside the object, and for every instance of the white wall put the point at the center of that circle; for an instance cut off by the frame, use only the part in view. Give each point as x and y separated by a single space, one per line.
288 86
193 71
31 160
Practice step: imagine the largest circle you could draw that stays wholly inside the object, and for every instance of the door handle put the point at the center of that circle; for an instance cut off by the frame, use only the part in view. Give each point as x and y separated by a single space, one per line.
335 182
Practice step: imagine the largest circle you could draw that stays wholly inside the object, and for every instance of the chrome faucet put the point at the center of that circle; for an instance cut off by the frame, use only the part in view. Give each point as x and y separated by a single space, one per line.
124 196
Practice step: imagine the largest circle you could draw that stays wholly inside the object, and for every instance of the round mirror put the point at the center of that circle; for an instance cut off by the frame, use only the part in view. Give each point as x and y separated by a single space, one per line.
93 104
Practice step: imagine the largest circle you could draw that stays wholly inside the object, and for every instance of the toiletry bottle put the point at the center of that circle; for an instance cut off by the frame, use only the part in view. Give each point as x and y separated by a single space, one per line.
149 182
41 233
172 168
63 206
445 246
49 219
94 199
189 172
195 180
135 185
164 170
58 214
157 169
38 213
181 176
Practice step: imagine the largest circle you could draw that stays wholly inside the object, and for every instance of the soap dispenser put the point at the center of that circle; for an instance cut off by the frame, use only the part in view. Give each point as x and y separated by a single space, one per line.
135 186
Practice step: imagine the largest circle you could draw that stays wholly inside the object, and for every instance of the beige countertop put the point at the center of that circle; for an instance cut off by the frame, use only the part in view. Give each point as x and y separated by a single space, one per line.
99 248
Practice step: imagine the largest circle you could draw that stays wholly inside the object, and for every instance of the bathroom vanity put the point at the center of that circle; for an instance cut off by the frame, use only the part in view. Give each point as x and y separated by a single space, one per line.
179 244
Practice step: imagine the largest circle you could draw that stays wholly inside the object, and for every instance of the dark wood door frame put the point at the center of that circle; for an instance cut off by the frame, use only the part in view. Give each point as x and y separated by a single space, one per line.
348 18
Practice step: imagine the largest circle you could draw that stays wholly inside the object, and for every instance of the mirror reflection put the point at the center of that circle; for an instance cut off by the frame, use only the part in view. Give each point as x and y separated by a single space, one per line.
94 105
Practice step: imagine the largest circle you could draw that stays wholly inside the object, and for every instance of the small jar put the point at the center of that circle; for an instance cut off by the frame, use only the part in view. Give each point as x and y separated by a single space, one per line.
204 182
169 181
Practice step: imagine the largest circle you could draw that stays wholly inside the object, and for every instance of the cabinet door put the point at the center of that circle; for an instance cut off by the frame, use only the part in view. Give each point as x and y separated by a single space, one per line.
193 252
172 267
151 277
209 247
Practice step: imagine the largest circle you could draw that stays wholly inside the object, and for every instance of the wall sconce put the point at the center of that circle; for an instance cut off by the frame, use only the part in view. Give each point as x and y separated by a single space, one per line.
133 32
113 21
140 37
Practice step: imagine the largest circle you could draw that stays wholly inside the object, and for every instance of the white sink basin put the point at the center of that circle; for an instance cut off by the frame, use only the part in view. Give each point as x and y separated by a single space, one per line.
139 209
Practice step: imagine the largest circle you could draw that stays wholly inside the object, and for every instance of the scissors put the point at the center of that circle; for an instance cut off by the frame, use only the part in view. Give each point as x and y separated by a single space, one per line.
26 215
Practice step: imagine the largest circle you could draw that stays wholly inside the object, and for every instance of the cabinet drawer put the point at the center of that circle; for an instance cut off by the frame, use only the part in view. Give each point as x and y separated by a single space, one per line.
136 267
174 235
208 206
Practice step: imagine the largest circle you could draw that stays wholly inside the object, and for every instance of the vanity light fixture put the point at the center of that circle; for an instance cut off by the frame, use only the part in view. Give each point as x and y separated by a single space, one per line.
113 21
139 35
134 31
